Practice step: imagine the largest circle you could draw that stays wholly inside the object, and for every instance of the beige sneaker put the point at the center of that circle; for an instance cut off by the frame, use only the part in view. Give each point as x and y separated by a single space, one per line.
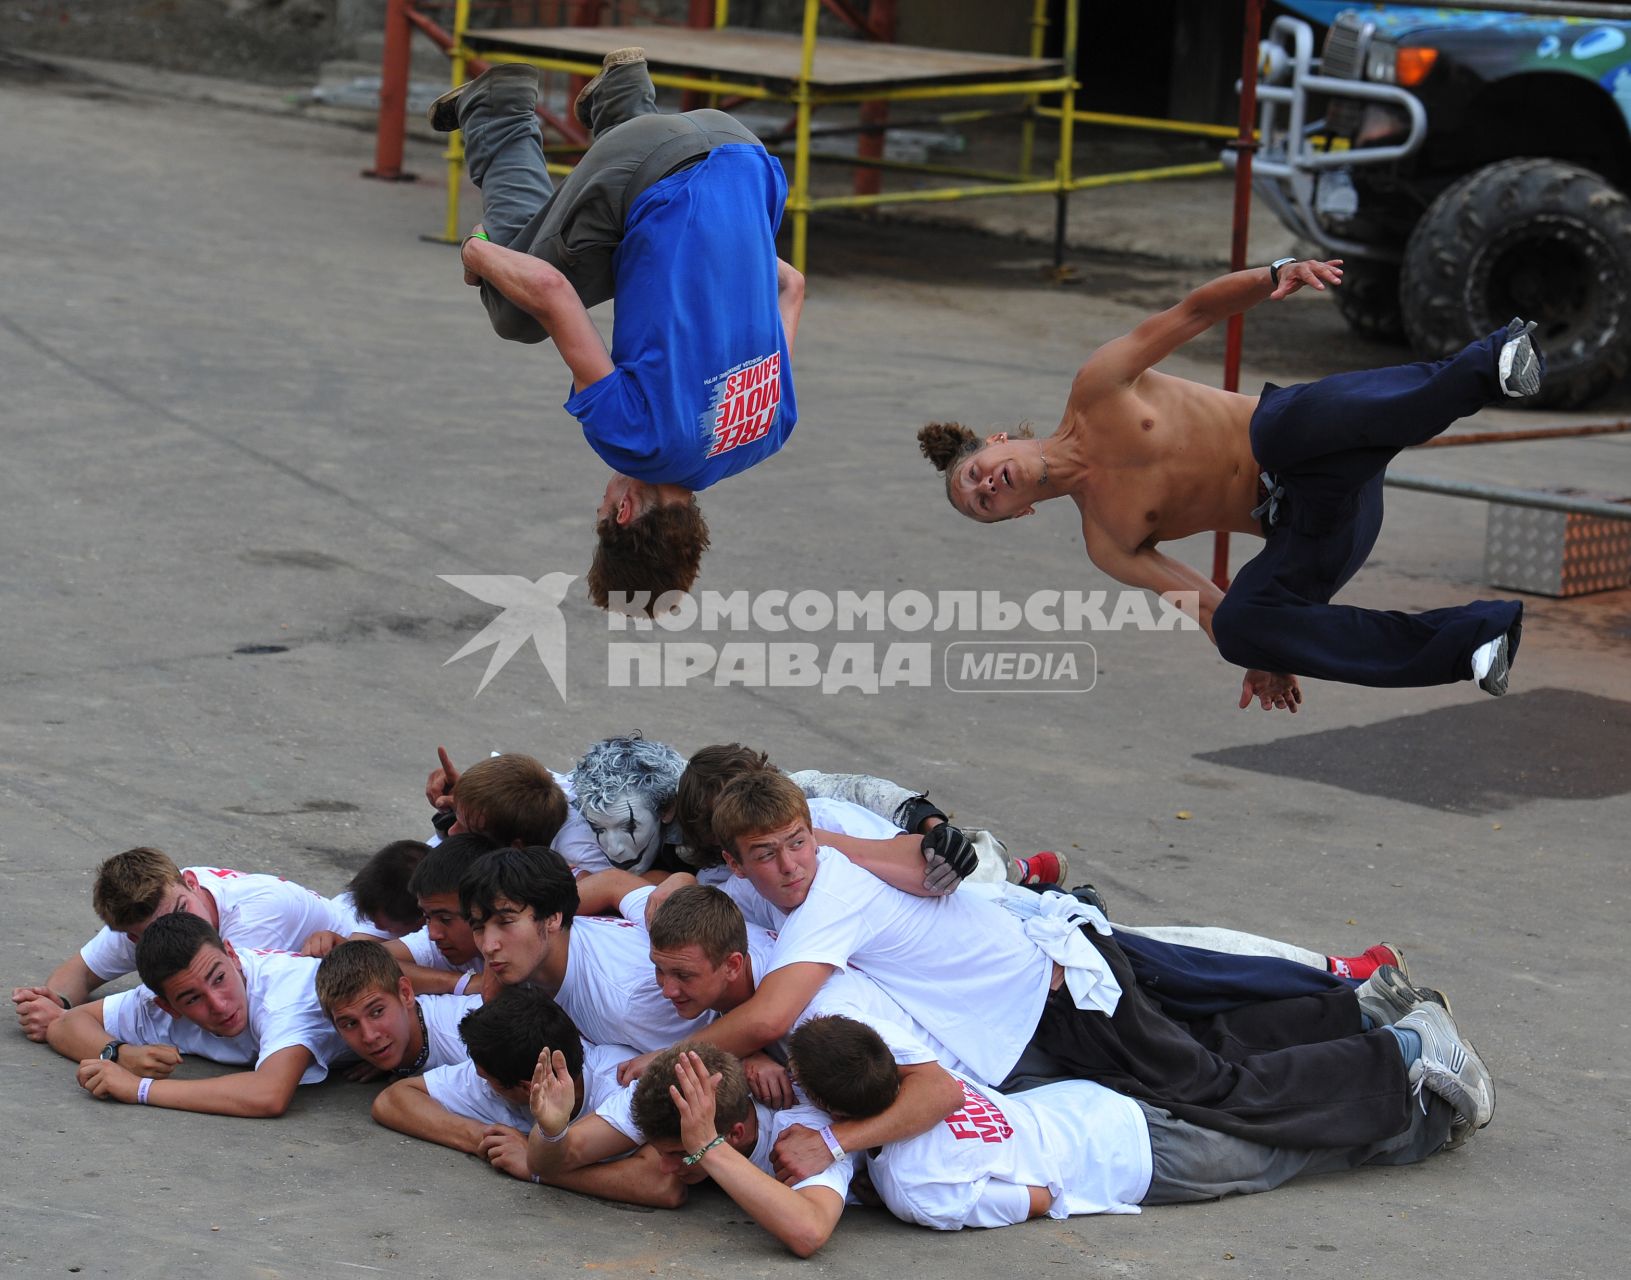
616 58
444 112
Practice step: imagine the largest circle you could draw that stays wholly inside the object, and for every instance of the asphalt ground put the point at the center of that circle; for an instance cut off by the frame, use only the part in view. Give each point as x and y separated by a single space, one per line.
250 416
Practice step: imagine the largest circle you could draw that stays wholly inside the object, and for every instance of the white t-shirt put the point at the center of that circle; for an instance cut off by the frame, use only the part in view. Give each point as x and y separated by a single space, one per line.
961 966
256 911
345 907
442 1017
283 1011
462 1091
610 990
1088 1146
849 819
618 1111
852 994
427 955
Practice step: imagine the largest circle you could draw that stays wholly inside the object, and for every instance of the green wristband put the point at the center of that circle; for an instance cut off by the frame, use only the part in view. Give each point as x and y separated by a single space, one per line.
696 1156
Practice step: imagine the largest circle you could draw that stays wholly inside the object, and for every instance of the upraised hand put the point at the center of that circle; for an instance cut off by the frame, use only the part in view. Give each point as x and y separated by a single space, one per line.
439 785
552 1095
693 1092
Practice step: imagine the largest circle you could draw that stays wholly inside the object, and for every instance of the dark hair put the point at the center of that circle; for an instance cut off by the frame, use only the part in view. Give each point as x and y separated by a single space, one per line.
706 775
756 803
445 865
380 887
511 798
536 877
170 944
506 1035
355 967
654 554
844 1066
655 1114
702 915
947 444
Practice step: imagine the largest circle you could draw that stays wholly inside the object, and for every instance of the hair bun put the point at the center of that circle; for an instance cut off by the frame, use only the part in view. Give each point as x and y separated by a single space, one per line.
943 442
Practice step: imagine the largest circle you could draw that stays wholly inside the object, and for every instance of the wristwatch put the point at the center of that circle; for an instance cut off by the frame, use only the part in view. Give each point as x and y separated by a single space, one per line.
110 1052
1274 270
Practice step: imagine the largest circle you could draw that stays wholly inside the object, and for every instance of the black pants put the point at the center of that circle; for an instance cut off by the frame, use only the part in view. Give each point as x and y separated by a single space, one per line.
1327 1088
1328 444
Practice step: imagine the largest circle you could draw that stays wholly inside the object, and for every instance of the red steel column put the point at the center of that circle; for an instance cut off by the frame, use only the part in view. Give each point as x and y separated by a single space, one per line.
1244 146
393 96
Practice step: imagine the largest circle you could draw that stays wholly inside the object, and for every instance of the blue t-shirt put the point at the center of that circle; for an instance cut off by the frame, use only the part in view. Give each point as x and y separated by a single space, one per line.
703 386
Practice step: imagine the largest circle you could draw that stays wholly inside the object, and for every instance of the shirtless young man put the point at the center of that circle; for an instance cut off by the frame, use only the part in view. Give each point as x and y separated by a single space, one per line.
1148 457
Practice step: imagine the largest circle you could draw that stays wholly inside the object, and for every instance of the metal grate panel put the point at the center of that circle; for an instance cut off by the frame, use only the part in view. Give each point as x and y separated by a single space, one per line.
1555 553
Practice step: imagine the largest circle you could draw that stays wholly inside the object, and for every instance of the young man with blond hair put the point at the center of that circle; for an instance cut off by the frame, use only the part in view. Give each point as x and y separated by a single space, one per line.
511 799
989 988
372 1005
134 888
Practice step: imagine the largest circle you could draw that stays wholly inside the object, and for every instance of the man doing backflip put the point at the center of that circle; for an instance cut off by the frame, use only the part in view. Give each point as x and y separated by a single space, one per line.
1148 457
675 216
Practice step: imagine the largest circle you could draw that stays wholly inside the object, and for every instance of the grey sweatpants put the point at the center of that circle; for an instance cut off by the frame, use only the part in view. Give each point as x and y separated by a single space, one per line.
577 228
1192 1163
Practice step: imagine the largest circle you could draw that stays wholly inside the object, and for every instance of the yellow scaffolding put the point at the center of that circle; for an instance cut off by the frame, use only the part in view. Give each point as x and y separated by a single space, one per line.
782 67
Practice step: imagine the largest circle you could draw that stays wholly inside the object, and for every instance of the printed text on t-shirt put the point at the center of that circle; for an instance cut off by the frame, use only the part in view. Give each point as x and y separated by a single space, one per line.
978 1119
746 406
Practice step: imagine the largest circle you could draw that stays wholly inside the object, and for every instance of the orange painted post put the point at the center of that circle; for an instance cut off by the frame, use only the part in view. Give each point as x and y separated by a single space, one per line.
1244 145
393 96
868 181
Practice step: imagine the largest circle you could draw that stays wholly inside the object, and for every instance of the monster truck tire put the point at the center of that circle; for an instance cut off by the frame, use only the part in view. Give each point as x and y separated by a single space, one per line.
1369 299
1541 239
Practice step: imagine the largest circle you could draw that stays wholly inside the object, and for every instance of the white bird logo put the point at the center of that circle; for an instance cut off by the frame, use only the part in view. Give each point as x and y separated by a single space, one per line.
532 610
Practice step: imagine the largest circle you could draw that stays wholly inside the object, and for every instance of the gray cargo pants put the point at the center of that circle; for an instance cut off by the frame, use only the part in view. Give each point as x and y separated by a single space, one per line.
577 228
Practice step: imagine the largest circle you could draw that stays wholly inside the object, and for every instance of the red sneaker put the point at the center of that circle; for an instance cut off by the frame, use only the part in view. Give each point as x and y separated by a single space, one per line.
1039 868
1369 961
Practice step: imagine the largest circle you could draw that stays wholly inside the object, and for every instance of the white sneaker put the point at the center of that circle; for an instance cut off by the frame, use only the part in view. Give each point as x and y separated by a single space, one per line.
1451 1068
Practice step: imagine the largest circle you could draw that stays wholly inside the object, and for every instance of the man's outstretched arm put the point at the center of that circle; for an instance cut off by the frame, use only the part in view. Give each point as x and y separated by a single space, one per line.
1118 363
262 1093
1198 596
69 984
549 298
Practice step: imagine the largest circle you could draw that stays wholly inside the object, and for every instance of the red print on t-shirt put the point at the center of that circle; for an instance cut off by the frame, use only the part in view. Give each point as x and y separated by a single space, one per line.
978 1119
748 405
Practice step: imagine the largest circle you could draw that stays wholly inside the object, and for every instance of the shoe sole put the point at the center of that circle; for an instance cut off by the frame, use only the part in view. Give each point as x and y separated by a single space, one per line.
1061 881
1497 678
1399 961
444 112
1519 363
1393 997
1460 1133
580 104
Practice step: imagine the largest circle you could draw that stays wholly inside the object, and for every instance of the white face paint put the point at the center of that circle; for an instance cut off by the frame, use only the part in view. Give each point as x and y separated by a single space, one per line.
628 831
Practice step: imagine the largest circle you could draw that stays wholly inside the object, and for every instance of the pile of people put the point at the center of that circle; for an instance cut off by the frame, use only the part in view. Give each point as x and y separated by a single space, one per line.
744 975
